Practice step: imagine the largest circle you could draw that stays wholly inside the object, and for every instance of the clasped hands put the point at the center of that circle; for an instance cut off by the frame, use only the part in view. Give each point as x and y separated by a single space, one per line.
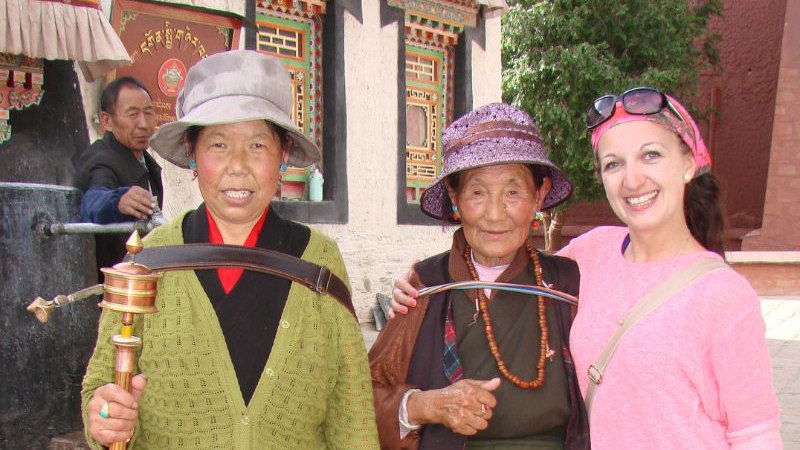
465 406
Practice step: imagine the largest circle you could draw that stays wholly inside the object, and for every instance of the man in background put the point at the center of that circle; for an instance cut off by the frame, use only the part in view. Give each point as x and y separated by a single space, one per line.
120 181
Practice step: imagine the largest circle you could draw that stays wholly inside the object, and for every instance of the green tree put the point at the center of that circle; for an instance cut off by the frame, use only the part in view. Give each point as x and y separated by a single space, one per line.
559 55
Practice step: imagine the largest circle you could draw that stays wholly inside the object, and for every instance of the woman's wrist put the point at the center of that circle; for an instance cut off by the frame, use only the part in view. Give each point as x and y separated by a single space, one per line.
418 408
406 426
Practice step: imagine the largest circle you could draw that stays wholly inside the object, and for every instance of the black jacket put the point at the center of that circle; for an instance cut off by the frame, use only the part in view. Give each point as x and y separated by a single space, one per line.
105 172
110 165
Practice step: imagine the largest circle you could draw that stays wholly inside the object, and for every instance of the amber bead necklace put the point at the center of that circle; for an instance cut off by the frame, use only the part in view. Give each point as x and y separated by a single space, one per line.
544 344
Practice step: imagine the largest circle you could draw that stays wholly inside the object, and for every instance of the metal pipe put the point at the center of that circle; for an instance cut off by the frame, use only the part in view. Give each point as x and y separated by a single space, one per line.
142 227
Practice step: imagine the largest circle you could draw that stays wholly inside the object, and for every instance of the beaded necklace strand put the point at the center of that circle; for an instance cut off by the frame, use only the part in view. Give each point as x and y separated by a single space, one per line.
544 346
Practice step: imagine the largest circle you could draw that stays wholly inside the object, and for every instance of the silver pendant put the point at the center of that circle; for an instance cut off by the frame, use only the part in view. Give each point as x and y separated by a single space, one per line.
475 316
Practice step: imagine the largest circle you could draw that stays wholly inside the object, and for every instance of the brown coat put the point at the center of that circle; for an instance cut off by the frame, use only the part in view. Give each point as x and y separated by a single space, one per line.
389 359
392 356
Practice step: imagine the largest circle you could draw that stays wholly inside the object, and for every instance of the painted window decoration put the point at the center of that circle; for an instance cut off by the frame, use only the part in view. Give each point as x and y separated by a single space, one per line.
293 33
425 115
432 30
21 80
286 42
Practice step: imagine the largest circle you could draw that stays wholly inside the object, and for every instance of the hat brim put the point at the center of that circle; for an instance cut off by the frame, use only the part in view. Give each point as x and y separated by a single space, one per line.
432 200
168 141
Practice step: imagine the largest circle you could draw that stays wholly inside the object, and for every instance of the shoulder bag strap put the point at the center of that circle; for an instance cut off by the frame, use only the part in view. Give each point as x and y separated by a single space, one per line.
654 298
213 256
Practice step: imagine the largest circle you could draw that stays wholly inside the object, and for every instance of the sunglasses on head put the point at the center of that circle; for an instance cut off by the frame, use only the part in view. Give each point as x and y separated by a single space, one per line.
641 101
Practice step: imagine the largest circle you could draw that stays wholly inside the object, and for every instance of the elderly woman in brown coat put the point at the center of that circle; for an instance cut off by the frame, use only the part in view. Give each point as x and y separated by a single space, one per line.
485 369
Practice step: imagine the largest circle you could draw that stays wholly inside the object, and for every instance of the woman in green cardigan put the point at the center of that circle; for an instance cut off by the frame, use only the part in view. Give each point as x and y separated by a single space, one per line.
235 359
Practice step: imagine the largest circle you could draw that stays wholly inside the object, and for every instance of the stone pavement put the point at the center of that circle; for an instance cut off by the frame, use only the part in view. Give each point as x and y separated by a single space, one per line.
782 318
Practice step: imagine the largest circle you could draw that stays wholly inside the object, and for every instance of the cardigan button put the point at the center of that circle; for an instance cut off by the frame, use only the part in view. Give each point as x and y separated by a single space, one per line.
245 420
284 323
270 372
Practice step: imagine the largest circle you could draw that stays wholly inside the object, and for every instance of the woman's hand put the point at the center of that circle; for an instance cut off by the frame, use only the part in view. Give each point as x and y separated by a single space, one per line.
121 412
465 406
403 295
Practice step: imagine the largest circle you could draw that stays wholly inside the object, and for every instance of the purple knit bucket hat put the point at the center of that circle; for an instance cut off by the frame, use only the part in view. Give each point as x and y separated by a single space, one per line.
491 135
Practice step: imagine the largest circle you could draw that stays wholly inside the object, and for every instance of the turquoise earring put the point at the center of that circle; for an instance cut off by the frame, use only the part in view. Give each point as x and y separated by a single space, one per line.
193 164
283 167
537 217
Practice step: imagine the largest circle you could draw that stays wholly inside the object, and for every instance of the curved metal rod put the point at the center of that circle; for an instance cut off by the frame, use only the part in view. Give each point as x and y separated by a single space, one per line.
511 287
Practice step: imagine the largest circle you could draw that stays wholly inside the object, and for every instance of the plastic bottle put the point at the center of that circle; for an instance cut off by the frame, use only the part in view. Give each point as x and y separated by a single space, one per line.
315 186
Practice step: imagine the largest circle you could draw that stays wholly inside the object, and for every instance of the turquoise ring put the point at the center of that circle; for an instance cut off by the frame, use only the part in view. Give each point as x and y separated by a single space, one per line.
104 411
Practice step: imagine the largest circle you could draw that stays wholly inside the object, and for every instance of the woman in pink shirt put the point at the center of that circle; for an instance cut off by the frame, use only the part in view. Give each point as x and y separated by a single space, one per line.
695 373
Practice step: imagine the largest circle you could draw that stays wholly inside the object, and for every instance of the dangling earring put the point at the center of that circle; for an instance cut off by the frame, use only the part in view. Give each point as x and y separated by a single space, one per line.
193 166
281 173
537 217
456 217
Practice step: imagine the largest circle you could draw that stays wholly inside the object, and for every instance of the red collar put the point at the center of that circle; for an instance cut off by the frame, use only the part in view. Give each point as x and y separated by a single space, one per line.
230 276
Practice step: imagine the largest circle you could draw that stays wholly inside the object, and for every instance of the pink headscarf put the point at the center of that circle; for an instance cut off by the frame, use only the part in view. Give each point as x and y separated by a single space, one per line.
690 135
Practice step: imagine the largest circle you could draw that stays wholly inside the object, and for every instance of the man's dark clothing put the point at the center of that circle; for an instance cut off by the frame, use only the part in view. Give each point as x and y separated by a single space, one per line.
105 172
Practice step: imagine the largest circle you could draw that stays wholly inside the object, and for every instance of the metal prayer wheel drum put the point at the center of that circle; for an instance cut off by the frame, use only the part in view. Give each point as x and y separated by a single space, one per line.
130 288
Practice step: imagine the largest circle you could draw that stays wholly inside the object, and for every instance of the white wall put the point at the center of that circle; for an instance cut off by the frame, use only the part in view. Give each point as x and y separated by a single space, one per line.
375 248
486 65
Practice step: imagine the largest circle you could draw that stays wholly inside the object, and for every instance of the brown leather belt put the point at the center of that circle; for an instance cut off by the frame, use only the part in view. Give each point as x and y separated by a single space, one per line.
213 256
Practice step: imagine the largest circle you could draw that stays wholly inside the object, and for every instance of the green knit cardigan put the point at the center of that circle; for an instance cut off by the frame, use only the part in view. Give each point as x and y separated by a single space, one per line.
314 393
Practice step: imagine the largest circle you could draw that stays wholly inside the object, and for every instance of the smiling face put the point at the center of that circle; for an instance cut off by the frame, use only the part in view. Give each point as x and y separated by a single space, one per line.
133 119
496 205
643 167
237 171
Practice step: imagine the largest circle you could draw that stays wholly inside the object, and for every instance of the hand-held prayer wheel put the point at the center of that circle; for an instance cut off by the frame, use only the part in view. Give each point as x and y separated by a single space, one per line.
130 289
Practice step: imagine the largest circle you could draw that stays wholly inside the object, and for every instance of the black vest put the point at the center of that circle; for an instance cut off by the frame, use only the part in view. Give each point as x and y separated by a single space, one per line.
425 368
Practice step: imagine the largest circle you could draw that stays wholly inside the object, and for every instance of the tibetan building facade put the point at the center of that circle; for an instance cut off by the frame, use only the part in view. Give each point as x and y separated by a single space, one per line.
375 83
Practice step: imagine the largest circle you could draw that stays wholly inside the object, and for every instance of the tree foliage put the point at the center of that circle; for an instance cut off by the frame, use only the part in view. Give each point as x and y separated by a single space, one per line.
559 55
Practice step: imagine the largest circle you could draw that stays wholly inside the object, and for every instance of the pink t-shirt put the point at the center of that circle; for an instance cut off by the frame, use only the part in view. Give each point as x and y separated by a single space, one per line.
693 374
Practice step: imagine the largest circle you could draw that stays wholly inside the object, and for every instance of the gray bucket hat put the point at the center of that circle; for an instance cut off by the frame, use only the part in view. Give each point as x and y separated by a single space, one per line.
231 87
493 134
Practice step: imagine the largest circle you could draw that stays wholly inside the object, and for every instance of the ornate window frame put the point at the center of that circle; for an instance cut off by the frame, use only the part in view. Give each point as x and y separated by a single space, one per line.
322 114
438 26
425 115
